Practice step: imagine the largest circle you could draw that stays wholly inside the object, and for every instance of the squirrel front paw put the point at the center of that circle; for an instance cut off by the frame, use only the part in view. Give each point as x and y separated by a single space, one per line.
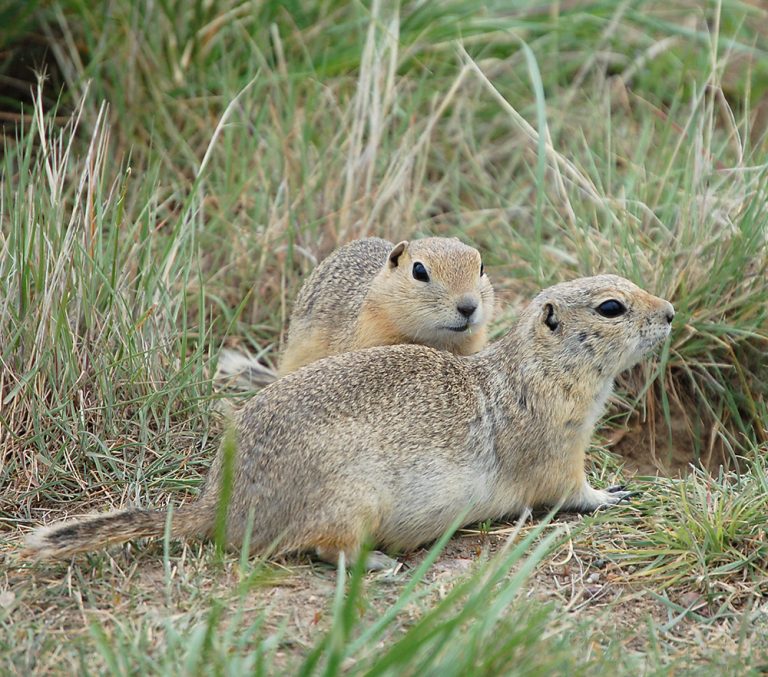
588 499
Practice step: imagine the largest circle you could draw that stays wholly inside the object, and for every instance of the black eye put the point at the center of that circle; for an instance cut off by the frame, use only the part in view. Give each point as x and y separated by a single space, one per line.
420 272
611 308
482 269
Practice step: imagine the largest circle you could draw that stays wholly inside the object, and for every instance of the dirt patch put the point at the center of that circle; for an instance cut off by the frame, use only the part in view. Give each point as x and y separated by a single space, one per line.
130 588
653 448
658 446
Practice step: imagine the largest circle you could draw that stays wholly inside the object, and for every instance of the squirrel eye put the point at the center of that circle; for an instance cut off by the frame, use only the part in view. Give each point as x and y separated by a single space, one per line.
482 269
611 308
420 272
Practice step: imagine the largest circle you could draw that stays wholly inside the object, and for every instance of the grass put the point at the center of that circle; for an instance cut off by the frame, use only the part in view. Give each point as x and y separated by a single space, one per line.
198 161
714 540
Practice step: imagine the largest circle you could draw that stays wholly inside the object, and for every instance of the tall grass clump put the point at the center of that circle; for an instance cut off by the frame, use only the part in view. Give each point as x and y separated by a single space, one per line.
99 363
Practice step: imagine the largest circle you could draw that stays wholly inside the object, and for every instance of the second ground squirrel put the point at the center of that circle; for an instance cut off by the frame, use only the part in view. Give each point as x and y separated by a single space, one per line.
396 443
371 292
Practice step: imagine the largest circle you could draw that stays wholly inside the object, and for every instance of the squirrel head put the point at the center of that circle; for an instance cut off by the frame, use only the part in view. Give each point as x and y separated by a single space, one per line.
436 290
600 325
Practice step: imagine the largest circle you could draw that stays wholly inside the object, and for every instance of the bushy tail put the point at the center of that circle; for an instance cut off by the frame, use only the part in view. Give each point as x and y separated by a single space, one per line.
97 531
243 372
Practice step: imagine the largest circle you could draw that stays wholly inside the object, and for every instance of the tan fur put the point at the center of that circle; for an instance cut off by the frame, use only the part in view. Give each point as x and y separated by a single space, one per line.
362 296
397 442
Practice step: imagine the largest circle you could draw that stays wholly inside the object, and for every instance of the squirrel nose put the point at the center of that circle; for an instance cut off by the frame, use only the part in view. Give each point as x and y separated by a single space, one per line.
670 313
466 307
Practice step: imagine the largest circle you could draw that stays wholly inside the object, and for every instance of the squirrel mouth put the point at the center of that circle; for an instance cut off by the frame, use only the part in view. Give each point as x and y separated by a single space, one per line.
460 328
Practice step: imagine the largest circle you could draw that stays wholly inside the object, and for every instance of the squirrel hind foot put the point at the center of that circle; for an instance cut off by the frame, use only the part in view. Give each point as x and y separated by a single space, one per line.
378 561
374 560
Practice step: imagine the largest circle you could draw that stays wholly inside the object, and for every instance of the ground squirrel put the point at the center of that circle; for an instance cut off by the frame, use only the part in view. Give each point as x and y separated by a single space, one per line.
370 292
395 443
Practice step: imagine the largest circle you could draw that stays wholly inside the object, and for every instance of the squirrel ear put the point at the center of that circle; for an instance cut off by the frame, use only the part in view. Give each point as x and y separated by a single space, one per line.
394 255
550 317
